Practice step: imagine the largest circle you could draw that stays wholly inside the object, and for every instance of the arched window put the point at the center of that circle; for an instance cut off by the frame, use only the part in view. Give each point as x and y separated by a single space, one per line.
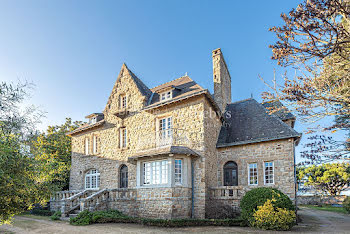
123 176
230 174
92 179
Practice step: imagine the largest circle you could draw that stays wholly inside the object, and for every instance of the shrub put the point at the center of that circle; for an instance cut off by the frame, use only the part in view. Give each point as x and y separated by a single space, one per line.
258 196
56 215
115 216
83 218
266 217
41 212
346 204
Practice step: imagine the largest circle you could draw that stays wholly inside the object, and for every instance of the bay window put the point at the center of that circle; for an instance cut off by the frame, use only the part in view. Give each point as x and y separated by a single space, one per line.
178 171
155 172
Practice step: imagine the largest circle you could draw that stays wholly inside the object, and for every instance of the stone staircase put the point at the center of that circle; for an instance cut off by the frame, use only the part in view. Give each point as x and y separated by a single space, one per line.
74 202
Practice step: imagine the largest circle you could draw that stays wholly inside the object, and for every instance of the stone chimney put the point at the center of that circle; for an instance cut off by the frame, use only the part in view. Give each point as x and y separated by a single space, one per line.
222 80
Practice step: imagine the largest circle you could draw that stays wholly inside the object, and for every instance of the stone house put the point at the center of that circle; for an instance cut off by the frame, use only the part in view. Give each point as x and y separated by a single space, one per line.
177 151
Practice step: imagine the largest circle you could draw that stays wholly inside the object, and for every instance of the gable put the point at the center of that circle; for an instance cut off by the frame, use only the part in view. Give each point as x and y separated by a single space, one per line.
132 87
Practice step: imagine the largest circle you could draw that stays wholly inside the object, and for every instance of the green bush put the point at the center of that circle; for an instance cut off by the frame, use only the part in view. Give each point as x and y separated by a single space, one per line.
269 218
56 215
258 196
41 212
114 216
346 204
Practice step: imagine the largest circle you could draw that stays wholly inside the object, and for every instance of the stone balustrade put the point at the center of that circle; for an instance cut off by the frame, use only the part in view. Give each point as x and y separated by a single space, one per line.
226 192
94 201
62 195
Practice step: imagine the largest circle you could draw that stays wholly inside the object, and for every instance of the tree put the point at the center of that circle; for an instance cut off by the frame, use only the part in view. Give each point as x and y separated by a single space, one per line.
54 149
24 181
315 41
330 179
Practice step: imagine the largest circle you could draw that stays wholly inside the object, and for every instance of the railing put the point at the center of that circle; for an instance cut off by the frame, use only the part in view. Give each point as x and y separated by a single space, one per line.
62 195
73 202
100 198
226 192
94 201
167 137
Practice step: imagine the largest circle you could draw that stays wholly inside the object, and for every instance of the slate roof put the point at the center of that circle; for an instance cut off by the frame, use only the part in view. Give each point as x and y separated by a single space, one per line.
140 85
248 121
277 108
183 86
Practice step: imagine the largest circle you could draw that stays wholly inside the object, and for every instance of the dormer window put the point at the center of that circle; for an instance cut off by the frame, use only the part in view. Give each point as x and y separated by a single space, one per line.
166 95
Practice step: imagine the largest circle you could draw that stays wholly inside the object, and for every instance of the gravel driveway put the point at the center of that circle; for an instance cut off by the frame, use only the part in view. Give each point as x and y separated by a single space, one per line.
313 221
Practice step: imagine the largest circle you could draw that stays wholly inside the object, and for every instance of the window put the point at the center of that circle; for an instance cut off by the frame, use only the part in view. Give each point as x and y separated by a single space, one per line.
94 144
124 176
268 172
123 102
178 171
166 95
253 174
123 138
86 146
230 174
155 172
92 179
165 131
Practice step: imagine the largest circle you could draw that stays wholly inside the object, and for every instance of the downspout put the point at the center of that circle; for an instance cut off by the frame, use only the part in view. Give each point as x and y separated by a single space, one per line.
192 184
295 182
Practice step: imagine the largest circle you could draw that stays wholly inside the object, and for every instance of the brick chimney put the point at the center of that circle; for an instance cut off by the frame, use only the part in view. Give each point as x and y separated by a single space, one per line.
222 80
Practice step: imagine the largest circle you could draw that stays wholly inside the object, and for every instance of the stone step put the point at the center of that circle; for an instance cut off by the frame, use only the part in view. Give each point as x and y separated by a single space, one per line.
77 211
72 215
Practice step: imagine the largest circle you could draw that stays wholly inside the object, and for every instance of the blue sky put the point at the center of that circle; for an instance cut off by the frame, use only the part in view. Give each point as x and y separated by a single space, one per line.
73 50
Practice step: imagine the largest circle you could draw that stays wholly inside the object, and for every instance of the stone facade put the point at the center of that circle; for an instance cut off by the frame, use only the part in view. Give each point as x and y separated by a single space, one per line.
196 120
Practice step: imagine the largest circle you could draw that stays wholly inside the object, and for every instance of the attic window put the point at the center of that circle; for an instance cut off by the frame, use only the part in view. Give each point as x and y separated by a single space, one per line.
123 102
166 95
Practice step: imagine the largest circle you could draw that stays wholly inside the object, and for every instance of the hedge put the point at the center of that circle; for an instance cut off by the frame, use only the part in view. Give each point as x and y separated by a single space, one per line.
114 216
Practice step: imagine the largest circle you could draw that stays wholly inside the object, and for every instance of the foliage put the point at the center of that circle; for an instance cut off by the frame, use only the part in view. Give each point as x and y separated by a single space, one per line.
56 215
331 178
24 181
114 216
54 149
314 40
268 218
346 204
41 212
258 196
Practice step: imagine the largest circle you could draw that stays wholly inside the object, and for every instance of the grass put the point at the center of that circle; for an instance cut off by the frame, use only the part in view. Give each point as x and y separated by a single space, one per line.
327 208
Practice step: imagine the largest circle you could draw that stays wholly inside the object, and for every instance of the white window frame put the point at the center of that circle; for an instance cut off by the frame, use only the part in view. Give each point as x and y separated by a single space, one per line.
257 174
165 131
91 176
273 173
178 171
87 150
123 138
167 95
123 101
94 144
155 173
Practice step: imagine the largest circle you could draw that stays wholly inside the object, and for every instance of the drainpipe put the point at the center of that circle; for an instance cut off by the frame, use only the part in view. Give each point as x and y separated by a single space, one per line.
192 184
295 182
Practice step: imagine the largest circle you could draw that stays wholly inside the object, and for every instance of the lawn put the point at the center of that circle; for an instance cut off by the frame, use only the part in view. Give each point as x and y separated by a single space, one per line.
327 208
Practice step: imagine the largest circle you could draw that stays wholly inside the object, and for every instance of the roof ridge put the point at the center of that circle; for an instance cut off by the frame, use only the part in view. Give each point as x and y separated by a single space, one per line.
171 81
241 101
